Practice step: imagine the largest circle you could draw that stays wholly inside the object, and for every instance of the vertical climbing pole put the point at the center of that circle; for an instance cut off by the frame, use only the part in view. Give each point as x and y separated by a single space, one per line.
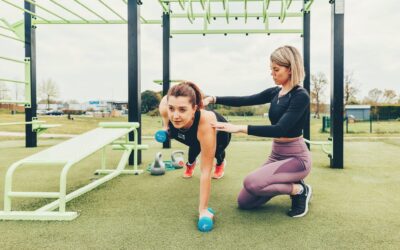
134 99
337 66
306 59
166 61
30 54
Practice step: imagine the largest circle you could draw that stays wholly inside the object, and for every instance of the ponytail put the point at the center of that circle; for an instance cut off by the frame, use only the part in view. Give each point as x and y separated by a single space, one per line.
190 90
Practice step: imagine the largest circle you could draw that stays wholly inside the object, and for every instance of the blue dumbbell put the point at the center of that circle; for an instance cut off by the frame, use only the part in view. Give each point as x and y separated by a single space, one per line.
161 136
205 223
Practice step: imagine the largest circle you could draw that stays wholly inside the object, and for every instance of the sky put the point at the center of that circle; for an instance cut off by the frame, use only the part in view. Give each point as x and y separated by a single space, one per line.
89 62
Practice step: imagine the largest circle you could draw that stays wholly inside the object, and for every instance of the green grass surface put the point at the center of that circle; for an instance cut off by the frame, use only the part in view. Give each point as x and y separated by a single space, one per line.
353 208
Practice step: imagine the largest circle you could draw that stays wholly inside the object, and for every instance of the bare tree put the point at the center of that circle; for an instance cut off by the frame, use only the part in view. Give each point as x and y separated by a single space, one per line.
48 89
4 91
350 89
390 96
374 96
319 83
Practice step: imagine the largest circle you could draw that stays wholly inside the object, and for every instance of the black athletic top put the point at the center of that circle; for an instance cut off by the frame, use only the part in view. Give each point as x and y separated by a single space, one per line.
189 136
287 113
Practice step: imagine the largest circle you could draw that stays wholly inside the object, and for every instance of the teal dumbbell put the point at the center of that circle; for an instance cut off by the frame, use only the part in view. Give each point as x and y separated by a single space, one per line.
161 136
205 223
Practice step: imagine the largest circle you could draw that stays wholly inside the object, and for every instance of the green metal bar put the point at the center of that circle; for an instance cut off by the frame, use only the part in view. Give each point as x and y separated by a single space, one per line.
199 1
7 25
11 59
160 82
166 9
182 4
1 27
227 10
289 3
202 2
283 10
189 11
19 29
84 6
103 158
266 21
308 5
250 31
49 11
153 22
25 10
245 11
21 123
28 81
14 81
70 11
113 11
13 101
252 15
143 21
208 11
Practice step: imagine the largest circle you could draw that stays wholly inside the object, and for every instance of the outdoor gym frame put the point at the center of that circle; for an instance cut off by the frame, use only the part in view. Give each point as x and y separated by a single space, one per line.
133 21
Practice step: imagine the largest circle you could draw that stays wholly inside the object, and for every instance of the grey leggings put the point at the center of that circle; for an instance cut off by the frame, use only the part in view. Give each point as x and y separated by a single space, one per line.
288 163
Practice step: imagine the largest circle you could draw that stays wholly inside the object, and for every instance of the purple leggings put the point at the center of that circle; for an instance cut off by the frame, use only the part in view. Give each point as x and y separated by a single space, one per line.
288 163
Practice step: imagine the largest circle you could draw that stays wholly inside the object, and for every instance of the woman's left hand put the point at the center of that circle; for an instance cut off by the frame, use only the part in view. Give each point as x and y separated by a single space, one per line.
227 127
206 213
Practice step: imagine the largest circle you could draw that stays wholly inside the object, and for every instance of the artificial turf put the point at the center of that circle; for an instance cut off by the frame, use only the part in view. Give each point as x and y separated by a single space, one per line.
352 208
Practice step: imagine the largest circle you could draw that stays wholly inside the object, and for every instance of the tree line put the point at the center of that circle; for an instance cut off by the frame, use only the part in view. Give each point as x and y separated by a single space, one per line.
48 91
376 96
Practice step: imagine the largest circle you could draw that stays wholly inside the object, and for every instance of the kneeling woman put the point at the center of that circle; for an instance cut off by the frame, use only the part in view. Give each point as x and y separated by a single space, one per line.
186 121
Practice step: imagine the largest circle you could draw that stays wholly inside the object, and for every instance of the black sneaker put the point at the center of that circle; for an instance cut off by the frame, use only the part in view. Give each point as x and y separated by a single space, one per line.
300 201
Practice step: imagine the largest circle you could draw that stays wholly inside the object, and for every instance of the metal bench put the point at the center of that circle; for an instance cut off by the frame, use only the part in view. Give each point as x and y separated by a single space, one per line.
326 146
67 154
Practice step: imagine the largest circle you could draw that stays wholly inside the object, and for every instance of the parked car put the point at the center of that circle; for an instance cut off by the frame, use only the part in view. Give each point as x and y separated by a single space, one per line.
54 112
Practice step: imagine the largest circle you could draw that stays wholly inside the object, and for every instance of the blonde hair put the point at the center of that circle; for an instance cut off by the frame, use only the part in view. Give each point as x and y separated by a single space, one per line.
289 56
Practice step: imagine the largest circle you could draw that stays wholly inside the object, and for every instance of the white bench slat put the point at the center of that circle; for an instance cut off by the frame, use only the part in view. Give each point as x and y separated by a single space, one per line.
79 147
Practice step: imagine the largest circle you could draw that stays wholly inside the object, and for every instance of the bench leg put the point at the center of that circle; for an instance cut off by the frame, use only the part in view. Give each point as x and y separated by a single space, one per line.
8 185
103 158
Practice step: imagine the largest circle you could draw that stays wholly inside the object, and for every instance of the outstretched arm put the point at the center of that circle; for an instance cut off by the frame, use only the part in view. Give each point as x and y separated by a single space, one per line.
237 101
208 139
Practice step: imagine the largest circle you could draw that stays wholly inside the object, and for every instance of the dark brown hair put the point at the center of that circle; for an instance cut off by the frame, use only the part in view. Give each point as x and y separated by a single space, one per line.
190 90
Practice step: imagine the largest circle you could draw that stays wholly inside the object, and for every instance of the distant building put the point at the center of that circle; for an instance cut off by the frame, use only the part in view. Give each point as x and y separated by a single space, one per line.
358 112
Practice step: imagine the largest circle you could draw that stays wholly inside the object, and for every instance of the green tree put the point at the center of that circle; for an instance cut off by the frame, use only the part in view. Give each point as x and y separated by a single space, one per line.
150 100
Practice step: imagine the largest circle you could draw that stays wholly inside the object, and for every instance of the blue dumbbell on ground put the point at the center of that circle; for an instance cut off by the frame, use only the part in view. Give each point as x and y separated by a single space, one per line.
161 136
205 223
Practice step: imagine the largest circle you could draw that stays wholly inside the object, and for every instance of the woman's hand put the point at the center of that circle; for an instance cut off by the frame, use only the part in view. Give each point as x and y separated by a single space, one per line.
208 100
206 213
228 127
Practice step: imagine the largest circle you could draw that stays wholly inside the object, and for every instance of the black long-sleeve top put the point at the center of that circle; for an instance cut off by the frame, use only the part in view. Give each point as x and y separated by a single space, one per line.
287 113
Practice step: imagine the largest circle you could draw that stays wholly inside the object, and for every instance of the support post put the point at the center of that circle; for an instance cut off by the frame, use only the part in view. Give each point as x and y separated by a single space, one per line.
337 67
134 98
306 59
166 62
30 52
